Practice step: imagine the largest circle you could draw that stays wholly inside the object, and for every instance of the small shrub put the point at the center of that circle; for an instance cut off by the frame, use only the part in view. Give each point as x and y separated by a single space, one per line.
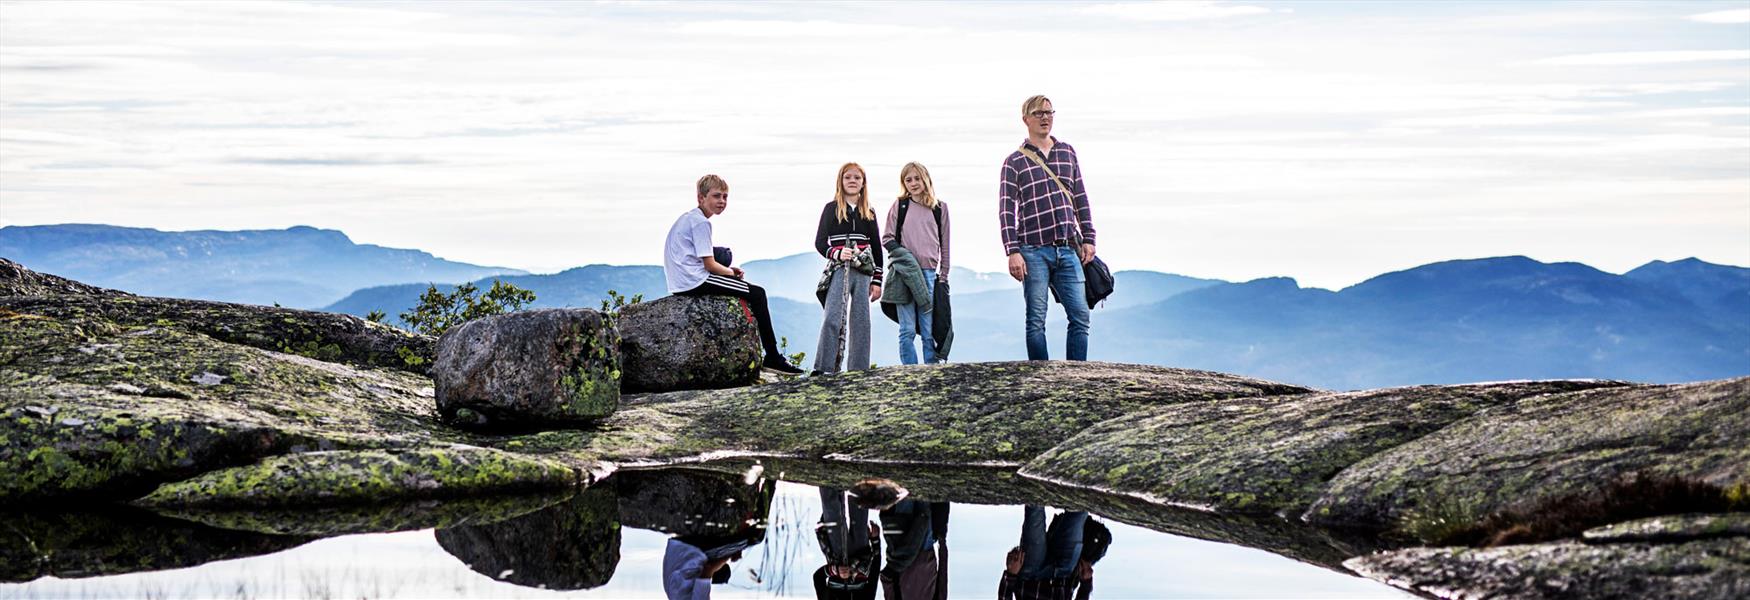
437 312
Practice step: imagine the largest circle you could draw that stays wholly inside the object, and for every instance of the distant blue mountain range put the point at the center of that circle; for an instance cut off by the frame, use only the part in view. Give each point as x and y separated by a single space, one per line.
301 267
1448 322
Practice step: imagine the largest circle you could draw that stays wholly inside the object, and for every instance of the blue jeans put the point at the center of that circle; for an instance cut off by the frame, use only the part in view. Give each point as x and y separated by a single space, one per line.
1051 554
1060 268
913 323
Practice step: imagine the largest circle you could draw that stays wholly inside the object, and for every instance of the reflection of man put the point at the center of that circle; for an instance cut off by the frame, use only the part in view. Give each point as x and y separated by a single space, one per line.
908 526
688 570
852 547
1054 564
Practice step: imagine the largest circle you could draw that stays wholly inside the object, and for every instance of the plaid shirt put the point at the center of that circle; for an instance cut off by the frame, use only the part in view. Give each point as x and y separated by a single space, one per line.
1033 210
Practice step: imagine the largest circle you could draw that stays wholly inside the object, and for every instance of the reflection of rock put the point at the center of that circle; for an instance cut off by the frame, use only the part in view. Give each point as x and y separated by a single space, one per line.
343 477
1672 528
371 518
80 544
1708 568
569 546
971 485
685 343
535 367
693 503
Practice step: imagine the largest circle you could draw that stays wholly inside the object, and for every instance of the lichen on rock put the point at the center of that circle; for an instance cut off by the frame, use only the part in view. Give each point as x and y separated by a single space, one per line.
366 476
1265 455
1710 568
550 367
688 343
1540 447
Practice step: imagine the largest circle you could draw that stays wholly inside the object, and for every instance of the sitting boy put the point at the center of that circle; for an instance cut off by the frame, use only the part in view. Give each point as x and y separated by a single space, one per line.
692 270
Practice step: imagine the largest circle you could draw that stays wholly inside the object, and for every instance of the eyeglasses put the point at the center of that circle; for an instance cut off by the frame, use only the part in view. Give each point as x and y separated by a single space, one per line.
1040 114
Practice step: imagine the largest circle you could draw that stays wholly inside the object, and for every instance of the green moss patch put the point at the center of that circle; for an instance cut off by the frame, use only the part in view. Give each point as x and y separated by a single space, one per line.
366 476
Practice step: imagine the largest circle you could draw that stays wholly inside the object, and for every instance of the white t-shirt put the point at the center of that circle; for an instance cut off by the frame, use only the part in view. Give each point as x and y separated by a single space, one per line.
689 241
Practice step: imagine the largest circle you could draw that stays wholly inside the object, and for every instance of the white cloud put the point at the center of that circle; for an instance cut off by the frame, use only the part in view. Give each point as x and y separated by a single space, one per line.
1176 10
1644 58
797 29
1723 16
575 130
1706 111
1490 120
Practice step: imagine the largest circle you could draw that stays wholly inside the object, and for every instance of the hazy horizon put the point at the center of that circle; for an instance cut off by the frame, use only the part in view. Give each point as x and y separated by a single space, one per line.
1325 141
748 259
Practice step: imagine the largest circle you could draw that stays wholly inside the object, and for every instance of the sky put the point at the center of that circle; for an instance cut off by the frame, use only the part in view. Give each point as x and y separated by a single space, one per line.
1325 141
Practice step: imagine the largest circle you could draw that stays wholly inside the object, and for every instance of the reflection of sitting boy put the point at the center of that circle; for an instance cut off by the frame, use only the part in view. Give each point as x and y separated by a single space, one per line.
1054 564
852 546
688 570
906 524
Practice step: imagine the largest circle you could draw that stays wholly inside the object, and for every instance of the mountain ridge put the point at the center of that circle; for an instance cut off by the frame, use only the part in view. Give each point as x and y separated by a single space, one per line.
1472 319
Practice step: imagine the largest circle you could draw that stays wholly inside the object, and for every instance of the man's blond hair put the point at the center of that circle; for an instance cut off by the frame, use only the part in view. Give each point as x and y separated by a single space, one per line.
1033 104
711 182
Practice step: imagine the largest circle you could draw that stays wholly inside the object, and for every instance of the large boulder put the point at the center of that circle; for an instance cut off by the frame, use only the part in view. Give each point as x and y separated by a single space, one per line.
550 366
688 343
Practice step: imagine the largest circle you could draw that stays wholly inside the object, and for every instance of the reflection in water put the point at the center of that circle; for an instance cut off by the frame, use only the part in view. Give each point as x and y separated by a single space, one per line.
916 533
1055 563
610 541
852 547
93 543
573 545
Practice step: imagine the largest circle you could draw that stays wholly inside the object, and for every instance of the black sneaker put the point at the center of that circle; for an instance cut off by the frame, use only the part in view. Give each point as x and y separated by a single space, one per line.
780 365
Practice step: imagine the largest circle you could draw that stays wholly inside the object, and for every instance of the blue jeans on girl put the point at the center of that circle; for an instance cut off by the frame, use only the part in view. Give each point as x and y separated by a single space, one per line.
913 323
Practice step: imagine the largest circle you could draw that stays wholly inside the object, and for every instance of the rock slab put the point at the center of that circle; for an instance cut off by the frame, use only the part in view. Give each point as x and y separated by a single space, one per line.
688 343
549 366
1711 568
1515 455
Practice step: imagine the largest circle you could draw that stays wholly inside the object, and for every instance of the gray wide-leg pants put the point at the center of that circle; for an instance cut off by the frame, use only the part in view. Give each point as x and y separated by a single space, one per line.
849 290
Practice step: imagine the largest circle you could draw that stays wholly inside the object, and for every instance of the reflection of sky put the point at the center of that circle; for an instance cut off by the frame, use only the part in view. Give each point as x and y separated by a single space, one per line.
1141 564
1329 141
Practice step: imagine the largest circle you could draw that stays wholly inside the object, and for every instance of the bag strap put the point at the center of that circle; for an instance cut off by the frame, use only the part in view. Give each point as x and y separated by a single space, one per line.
899 225
1066 191
899 222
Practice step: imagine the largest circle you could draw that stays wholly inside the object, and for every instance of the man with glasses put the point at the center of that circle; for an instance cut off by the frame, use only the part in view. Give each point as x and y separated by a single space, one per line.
1047 229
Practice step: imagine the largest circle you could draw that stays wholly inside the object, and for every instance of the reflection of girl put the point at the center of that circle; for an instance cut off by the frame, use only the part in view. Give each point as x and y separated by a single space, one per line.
852 546
928 245
847 238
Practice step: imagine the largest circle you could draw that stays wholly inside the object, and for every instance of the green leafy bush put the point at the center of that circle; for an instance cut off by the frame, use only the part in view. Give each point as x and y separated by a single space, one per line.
437 312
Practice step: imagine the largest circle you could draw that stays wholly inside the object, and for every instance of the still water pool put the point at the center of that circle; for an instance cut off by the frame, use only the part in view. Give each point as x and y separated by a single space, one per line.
611 541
